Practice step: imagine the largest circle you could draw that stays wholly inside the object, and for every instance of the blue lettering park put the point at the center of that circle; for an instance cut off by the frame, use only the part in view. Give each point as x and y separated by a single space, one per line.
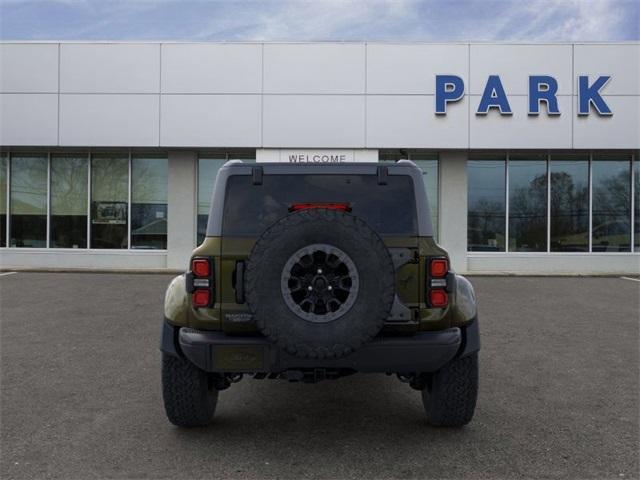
542 90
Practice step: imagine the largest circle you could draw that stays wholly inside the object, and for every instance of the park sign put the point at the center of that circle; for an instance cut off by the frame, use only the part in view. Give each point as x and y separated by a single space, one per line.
542 90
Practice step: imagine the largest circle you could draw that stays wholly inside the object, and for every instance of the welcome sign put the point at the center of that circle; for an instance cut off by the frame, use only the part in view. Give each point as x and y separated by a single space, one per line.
316 157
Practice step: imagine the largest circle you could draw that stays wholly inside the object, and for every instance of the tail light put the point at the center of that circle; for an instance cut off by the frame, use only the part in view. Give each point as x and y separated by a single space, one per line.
200 282
438 269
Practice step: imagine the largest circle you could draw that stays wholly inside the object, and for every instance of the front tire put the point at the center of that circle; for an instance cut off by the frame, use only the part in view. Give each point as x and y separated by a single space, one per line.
190 397
450 394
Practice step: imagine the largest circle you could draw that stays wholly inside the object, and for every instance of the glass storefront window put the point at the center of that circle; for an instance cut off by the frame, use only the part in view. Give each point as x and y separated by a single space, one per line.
68 209
569 222
109 197
527 203
4 164
486 199
28 223
149 196
611 215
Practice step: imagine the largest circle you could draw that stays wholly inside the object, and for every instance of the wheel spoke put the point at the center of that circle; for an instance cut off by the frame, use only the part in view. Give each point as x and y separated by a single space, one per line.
297 284
333 262
342 283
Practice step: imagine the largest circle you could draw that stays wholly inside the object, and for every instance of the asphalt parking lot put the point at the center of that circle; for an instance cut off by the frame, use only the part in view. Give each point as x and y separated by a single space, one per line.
81 393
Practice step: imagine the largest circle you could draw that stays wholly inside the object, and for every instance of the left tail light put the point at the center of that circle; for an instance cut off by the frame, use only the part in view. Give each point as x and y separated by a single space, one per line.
437 272
200 282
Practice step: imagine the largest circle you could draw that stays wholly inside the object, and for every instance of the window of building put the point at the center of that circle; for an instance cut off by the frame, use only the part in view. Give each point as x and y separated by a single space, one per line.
28 203
4 165
208 166
527 203
569 203
558 209
109 197
486 203
68 209
428 163
611 204
149 193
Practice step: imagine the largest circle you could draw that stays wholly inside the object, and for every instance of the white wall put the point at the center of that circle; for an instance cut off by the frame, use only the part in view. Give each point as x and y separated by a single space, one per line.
313 95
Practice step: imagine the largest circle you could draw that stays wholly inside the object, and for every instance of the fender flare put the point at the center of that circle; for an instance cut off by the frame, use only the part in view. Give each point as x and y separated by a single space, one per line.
176 301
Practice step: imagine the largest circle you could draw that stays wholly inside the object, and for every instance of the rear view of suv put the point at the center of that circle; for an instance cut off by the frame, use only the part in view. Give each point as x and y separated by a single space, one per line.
316 272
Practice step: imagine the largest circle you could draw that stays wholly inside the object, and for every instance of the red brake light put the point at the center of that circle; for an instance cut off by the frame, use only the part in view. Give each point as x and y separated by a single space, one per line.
200 298
438 298
200 267
439 267
296 207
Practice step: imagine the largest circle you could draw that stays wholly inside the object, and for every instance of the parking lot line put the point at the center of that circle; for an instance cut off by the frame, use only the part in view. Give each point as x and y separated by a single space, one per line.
632 279
7 273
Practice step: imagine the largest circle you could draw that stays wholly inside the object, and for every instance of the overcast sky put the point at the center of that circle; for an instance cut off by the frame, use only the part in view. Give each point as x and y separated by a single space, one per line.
293 20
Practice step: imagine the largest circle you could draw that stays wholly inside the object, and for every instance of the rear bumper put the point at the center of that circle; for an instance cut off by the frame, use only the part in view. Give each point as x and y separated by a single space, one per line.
218 352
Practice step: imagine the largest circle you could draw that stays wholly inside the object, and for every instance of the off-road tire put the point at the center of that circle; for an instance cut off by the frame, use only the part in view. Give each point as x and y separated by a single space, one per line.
190 398
342 335
450 395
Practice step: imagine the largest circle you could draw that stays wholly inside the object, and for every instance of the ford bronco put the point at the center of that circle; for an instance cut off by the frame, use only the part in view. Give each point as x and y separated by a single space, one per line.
316 272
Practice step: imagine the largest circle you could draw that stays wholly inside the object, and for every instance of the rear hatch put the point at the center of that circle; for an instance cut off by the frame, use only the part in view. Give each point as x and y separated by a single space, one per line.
251 207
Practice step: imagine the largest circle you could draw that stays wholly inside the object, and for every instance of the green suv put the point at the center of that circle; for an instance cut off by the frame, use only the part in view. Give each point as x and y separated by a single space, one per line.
316 272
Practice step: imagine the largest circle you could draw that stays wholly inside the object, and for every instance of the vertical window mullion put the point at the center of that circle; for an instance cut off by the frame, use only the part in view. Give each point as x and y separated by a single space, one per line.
47 243
506 204
7 220
129 206
590 202
88 201
548 202
632 202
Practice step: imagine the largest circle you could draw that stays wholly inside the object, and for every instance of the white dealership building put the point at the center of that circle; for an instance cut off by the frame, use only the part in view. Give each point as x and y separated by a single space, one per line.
530 151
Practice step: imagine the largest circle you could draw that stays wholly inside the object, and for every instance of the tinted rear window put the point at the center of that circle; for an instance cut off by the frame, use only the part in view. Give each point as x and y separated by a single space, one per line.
389 209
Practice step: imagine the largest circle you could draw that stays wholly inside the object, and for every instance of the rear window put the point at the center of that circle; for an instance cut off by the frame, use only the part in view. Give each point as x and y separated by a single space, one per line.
389 209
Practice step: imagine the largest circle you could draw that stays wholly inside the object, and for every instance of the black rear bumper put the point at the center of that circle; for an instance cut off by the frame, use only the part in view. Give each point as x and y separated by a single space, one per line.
421 352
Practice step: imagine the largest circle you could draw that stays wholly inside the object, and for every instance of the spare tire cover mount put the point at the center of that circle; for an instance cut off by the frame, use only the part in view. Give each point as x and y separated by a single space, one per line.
319 283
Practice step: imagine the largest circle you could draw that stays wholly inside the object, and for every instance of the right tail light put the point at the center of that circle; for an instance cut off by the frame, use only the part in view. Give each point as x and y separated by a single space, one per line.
438 269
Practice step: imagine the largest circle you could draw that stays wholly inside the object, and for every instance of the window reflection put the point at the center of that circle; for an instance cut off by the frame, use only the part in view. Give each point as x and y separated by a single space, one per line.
4 162
68 202
569 203
149 203
486 205
527 204
109 194
28 201
611 230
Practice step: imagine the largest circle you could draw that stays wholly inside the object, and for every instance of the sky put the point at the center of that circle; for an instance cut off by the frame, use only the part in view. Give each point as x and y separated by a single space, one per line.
321 20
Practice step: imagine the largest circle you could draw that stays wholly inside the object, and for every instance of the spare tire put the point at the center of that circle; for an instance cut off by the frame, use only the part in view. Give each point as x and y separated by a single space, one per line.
320 283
